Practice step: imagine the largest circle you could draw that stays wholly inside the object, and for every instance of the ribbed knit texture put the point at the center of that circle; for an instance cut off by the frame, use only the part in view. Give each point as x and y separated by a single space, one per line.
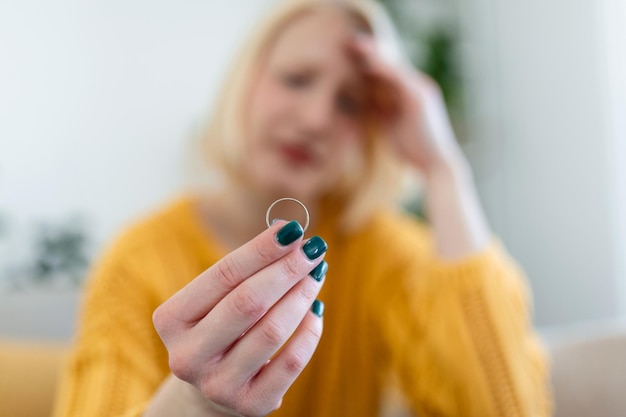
456 335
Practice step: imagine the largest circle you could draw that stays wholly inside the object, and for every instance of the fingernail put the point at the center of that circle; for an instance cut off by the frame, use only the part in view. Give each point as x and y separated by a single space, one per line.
319 271
274 221
289 233
315 247
318 308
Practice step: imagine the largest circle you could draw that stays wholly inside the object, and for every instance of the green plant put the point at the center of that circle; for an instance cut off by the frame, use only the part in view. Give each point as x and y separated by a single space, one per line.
432 48
60 250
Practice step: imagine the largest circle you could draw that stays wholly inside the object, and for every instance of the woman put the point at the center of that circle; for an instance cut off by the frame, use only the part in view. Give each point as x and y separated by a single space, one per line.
320 107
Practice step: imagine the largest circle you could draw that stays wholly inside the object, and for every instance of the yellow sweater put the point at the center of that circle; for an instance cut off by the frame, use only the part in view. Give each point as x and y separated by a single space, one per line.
456 336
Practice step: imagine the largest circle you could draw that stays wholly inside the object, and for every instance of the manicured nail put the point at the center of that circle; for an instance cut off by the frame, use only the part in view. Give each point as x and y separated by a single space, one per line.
289 233
315 247
274 221
318 308
319 271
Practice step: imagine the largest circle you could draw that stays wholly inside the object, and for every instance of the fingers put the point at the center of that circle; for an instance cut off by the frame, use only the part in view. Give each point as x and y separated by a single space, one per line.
222 329
385 82
195 300
264 392
363 51
275 328
279 374
401 78
250 301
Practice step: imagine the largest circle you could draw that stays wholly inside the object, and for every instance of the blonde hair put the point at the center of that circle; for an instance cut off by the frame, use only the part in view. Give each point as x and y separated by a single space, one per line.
373 178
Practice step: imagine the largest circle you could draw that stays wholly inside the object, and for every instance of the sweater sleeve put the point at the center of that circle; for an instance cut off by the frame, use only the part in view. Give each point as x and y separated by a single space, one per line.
117 361
460 341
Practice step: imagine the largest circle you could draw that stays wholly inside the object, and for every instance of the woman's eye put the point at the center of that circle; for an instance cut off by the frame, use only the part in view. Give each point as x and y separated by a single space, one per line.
297 80
348 105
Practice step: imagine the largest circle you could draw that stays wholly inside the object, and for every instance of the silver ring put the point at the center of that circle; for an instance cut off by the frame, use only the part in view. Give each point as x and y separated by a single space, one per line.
267 215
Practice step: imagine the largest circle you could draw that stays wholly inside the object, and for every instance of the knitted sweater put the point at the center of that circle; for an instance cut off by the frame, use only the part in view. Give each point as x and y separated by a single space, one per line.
454 336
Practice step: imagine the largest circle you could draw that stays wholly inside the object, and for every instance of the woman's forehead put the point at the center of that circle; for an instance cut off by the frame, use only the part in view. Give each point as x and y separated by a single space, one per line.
316 37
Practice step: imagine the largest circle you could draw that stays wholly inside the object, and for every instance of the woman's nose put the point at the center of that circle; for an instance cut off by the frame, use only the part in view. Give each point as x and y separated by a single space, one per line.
317 113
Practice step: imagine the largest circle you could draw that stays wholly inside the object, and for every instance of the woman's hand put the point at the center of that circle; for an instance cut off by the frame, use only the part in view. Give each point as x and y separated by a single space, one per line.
409 104
243 330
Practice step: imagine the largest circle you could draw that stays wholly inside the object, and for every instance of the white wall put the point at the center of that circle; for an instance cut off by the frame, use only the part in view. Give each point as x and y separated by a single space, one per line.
99 101
551 185
613 22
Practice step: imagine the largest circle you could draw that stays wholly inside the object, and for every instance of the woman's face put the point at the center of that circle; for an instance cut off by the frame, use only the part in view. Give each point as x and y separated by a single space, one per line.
305 110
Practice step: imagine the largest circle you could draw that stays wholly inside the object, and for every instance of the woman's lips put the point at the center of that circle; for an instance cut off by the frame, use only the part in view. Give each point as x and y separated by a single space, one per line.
300 155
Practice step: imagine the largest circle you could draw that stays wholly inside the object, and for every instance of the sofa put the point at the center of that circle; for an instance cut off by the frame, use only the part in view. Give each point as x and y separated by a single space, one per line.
29 374
588 377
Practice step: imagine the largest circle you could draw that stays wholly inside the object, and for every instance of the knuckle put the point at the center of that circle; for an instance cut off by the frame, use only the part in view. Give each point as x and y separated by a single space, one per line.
264 252
307 293
295 363
313 334
162 319
291 267
247 305
180 365
227 273
272 333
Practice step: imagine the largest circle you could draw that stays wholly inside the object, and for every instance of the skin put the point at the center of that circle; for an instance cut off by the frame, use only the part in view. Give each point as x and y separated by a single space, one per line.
306 108
308 99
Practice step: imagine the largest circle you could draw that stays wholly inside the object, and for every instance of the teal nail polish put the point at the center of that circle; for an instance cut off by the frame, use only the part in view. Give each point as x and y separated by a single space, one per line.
315 247
289 233
318 308
319 271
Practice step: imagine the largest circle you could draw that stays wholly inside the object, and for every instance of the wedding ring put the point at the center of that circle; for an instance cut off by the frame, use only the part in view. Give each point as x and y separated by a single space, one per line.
267 215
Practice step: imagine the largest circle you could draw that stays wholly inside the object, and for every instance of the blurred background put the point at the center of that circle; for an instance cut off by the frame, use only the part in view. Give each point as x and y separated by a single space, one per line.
101 104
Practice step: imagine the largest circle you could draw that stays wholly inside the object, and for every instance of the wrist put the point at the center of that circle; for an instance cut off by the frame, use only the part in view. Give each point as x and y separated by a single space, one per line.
454 210
448 170
201 405
177 397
